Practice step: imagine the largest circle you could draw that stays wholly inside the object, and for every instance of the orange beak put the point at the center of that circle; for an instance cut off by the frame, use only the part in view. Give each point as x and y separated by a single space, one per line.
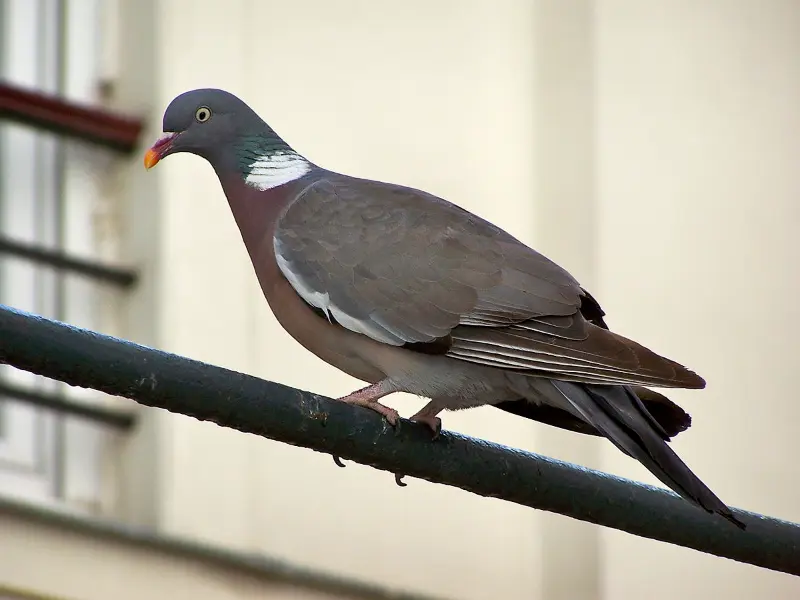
158 150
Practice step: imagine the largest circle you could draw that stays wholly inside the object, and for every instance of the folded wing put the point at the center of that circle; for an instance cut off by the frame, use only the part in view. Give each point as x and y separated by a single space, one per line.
407 268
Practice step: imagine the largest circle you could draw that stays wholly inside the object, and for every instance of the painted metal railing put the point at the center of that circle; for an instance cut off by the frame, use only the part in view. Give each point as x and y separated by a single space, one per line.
249 404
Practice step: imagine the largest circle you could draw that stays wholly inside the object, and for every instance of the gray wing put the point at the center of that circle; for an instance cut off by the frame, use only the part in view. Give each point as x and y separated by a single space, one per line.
405 267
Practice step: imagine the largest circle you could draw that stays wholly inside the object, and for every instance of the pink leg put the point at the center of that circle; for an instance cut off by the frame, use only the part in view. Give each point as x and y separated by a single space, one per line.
368 397
427 416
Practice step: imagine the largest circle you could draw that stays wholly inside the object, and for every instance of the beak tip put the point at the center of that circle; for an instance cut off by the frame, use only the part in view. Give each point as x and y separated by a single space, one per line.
151 158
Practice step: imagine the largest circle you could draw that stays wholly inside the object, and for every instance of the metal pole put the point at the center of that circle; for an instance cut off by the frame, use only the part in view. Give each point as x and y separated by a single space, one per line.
158 379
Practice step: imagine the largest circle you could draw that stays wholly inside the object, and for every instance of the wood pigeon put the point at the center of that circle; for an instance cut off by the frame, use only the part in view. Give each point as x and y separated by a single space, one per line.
409 292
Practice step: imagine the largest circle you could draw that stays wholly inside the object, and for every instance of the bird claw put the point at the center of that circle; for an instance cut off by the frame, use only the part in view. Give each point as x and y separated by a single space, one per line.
432 423
391 415
398 479
437 428
338 461
368 398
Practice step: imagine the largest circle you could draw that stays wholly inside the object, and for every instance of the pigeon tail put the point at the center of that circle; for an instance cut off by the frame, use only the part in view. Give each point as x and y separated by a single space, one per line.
619 414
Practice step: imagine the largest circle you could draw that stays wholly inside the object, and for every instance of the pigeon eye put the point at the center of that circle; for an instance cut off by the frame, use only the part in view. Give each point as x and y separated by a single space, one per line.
202 114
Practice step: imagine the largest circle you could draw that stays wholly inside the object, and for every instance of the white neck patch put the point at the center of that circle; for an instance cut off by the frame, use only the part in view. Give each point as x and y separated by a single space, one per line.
272 170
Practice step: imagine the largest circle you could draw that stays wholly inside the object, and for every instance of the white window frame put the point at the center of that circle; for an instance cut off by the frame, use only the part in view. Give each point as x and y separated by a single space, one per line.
51 191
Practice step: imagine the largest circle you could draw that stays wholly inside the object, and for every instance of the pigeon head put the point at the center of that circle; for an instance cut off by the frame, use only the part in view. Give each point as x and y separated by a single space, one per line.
218 126
203 122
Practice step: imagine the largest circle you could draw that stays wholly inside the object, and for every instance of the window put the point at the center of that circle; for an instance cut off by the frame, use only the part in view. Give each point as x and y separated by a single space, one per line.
52 197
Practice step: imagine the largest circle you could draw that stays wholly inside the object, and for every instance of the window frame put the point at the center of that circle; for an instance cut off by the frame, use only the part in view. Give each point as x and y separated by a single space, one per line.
32 418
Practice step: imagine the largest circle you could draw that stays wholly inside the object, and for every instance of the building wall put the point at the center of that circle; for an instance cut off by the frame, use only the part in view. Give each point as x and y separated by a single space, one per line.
698 134
62 557
647 149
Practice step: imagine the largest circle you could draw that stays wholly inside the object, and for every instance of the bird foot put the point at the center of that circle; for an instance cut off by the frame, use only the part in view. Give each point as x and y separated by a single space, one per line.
433 423
390 414
368 398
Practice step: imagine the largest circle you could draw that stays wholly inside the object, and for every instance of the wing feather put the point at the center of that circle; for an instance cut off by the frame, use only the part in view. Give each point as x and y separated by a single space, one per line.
407 268
409 265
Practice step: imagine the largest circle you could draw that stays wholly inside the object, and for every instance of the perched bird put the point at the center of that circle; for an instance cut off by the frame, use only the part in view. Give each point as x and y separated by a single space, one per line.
408 292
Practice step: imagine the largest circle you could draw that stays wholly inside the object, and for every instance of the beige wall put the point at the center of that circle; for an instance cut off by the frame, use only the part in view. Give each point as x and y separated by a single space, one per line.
698 211
650 149
54 558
